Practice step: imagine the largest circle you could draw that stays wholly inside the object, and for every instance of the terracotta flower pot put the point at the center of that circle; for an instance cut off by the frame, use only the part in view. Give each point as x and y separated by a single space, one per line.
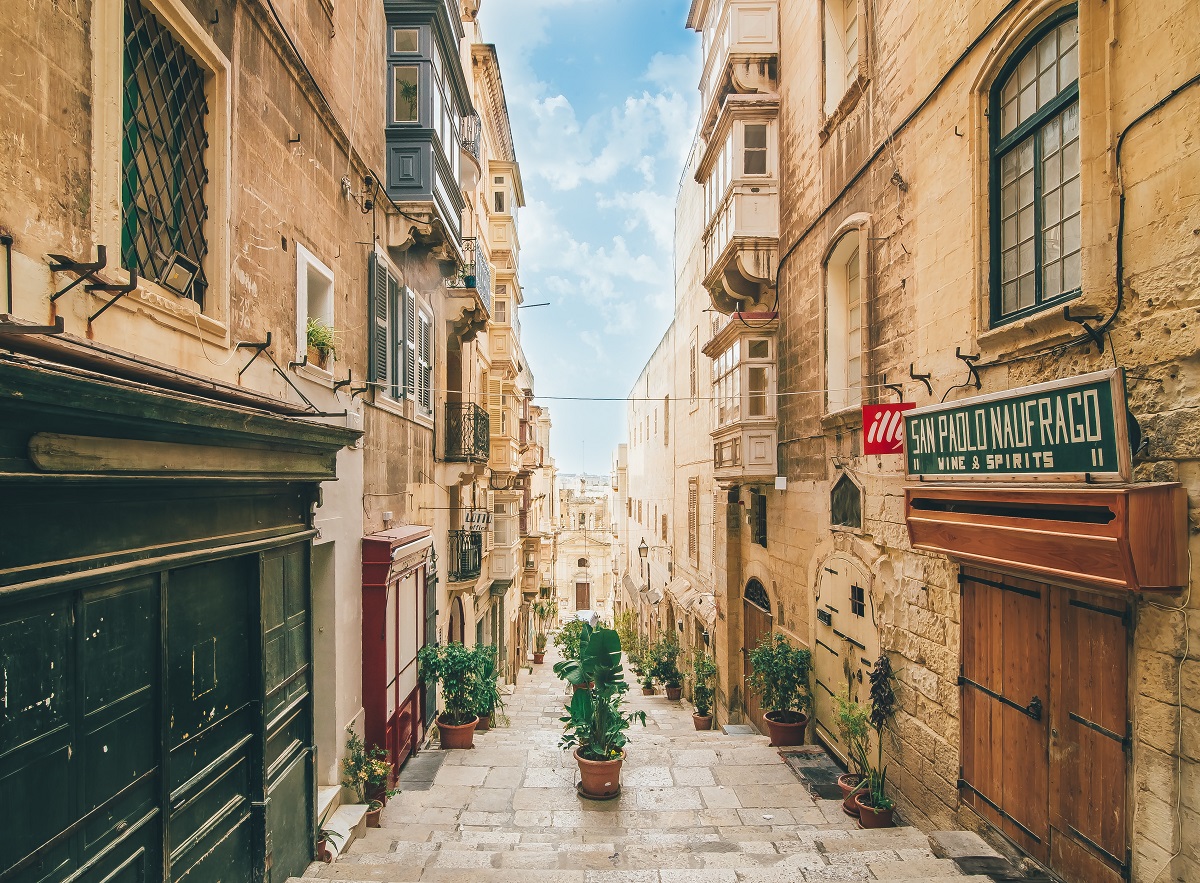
600 778
324 851
483 723
784 733
647 691
869 817
848 782
673 693
539 658
702 721
373 817
462 736
586 686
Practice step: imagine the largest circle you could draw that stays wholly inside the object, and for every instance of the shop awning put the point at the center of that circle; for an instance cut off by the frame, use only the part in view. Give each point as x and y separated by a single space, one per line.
692 600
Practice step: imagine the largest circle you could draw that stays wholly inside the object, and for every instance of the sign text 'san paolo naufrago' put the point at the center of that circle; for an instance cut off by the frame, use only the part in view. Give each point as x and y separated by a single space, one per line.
1065 428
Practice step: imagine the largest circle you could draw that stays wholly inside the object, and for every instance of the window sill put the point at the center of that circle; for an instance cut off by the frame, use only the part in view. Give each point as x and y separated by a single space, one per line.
1047 328
847 103
170 309
318 375
846 419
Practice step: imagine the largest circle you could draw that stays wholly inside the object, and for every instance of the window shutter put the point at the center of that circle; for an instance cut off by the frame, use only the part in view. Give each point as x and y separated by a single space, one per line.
410 343
425 372
694 520
377 295
495 404
692 385
396 368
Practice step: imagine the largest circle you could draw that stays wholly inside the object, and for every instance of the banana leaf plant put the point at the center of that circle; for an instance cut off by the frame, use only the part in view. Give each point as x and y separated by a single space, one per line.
596 722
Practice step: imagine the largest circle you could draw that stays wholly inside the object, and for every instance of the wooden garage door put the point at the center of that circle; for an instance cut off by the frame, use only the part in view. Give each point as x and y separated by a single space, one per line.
1045 720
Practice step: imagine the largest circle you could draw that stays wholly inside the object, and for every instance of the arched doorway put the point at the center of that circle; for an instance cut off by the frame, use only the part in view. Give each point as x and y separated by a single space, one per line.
456 630
756 622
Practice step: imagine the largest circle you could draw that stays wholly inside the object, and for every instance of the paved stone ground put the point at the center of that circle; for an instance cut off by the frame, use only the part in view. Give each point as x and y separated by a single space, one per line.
694 808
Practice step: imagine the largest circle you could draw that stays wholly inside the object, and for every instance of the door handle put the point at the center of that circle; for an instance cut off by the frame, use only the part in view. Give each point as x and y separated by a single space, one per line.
1034 708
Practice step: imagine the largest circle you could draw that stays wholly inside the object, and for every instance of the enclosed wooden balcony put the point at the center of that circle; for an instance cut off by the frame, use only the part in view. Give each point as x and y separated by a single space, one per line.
741 51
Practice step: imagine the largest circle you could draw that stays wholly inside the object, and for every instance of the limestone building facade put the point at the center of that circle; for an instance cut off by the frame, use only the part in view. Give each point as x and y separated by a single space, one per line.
966 224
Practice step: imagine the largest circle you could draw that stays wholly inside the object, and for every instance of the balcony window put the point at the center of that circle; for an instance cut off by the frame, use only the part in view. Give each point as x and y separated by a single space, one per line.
754 153
841 50
404 40
744 365
843 325
405 78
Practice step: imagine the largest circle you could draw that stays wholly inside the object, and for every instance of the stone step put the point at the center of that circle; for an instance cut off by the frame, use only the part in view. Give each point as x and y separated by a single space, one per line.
329 798
350 822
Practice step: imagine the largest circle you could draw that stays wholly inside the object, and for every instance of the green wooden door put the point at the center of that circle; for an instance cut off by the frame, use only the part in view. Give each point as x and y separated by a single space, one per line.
211 720
287 700
79 747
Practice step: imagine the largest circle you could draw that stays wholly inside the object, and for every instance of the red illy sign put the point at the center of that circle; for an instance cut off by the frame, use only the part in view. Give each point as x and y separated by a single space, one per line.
883 427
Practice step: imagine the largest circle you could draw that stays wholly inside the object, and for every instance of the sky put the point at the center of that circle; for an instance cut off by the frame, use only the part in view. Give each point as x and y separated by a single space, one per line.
602 96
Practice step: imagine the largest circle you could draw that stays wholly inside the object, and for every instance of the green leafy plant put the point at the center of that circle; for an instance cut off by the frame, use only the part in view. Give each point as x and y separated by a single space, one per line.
883 707
647 681
665 661
703 671
780 676
853 721
321 337
487 698
627 629
545 611
596 722
568 639
456 669
365 771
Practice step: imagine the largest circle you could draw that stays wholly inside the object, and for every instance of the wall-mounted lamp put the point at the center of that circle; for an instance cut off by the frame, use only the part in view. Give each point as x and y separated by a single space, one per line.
180 274
705 637
643 549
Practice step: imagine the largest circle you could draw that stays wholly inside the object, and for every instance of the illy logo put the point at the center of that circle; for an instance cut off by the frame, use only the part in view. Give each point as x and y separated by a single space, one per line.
883 427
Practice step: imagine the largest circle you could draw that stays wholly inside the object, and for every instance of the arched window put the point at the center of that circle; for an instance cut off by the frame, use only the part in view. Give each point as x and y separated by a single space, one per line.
582 562
845 503
1035 224
843 325
757 595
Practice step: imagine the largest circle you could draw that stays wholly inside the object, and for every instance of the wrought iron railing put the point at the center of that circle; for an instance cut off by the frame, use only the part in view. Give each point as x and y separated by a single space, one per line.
474 272
466 555
468 433
471 134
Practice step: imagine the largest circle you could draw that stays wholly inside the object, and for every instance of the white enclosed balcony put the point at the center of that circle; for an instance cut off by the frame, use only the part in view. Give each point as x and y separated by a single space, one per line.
744 389
741 52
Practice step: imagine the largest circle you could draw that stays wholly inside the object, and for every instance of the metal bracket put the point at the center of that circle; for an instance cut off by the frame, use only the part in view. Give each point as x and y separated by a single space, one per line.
894 387
7 326
301 364
338 384
355 392
117 292
974 378
258 351
1082 321
924 378
83 269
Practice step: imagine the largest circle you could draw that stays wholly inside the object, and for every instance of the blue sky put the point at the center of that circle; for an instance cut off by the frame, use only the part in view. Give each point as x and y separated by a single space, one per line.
603 101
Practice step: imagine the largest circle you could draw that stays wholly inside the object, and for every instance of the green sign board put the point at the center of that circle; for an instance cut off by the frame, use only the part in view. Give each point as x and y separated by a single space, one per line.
1066 429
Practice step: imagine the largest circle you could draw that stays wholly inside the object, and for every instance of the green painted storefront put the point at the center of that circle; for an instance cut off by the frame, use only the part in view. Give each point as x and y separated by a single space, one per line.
155 632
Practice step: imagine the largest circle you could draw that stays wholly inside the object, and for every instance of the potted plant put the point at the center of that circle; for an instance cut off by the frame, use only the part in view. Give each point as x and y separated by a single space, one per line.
365 771
326 841
703 671
853 722
568 641
487 697
875 808
666 666
374 810
647 681
779 674
544 612
456 669
596 722
321 342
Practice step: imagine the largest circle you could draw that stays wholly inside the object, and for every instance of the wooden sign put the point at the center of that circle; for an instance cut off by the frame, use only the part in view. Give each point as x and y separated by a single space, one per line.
1067 430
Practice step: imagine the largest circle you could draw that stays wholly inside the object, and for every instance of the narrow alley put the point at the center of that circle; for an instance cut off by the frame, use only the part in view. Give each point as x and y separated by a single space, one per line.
695 807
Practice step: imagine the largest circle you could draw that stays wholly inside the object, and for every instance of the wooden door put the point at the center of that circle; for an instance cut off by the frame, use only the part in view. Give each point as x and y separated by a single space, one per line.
583 596
756 622
847 642
1089 736
1005 688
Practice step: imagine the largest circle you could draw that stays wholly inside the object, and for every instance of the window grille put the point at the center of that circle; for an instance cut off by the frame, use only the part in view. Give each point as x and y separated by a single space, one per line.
858 601
164 176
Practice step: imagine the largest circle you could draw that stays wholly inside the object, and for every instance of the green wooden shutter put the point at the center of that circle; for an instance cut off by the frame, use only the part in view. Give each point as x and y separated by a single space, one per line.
395 305
425 365
377 295
410 343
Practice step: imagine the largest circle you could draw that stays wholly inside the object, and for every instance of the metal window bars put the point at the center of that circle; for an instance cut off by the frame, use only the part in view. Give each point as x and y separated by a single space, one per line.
465 551
164 176
471 135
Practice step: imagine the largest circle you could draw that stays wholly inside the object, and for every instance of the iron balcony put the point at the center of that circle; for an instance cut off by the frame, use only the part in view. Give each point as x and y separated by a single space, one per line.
466 555
468 433
474 272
